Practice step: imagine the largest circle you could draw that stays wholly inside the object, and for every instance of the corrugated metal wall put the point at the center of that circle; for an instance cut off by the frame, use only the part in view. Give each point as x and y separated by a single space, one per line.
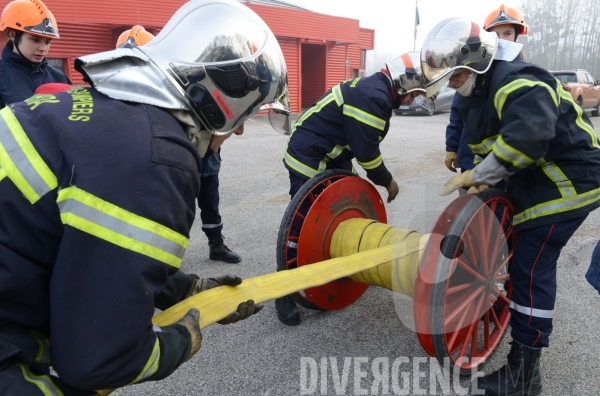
291 52
314 65
336 65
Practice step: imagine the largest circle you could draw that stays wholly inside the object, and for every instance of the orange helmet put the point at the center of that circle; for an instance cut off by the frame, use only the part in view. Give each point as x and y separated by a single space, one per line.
506 16
134 37
29 16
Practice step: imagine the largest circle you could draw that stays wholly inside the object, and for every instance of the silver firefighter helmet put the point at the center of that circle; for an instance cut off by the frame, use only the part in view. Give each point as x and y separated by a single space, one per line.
406 73
215 58
455 44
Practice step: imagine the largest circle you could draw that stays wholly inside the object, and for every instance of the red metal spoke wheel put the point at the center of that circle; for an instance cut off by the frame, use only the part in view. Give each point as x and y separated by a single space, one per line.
471 289
293 222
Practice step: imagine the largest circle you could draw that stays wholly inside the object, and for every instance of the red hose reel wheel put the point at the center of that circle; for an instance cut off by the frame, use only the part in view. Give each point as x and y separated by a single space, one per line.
469 286
312 216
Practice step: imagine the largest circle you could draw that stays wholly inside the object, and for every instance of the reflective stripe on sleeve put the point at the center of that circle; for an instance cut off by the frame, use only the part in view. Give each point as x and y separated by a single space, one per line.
106 221
503 93
212 225
565 186
364 117
538 313
43 382
151 365
371 164
20 160
557 206
510 154
485 146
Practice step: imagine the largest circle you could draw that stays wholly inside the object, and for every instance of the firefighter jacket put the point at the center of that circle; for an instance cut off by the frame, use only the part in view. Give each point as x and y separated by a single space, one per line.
522 115
98 198
455 138
347 122
19 77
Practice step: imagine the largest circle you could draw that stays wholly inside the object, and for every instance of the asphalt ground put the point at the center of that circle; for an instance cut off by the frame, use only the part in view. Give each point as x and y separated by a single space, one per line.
368 347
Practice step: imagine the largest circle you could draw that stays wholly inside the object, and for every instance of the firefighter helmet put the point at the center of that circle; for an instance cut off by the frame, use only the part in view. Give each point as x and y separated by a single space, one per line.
134 37
506 16
29 16
406 73
454 44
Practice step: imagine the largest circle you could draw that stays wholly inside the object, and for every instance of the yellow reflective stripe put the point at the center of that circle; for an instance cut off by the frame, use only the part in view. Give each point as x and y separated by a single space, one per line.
337 94
558 206
510 154
565 186
579 121
336 151
502 94
113 224
485 146
371 164
151 365
20 160
2 172
43 382
43 354
364 117
315 109
477 159
299 166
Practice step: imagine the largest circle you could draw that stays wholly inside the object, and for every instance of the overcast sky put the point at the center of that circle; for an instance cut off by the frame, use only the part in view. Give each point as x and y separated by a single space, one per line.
393 20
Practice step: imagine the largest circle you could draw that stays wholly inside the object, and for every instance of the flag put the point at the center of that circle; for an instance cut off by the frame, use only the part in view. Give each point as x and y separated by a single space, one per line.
417 21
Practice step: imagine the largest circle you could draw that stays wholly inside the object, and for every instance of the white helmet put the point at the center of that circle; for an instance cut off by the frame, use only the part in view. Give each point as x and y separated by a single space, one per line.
455 44
205 60
406 73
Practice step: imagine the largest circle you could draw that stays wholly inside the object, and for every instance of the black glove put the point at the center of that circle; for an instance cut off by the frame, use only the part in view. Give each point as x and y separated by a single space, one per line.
203 284
244 311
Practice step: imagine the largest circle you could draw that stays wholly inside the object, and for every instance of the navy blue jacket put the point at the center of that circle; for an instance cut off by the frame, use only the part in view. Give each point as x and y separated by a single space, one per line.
455 138
348 122
98 199
19 77
524 117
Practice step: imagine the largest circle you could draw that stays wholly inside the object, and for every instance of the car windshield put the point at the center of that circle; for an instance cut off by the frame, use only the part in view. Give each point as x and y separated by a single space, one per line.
566 77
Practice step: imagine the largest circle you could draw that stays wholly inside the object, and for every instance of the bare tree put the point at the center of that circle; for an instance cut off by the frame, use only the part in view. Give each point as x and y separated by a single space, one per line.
563 34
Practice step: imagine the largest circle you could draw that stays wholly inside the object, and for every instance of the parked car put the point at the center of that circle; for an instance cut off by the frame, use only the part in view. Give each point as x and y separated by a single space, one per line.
423 105
583 88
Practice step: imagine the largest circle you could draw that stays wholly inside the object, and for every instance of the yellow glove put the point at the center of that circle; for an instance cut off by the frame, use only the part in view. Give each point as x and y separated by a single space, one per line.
463 180
393 190
478 189
451 159
191 321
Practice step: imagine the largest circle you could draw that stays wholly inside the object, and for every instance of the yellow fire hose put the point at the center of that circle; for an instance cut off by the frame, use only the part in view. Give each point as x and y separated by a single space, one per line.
365 250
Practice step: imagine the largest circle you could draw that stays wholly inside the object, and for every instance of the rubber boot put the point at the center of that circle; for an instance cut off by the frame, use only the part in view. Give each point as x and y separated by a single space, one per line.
287 312
519 376
218 250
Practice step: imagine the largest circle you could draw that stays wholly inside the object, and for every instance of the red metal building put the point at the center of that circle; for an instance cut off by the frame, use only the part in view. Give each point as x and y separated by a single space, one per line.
320 50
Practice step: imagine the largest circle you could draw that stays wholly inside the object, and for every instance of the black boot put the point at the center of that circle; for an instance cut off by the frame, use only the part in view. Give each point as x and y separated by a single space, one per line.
218 250
519 376
287 312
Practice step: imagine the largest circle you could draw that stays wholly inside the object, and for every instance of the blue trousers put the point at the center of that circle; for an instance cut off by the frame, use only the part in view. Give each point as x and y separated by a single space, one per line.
593 273
208 202
533 277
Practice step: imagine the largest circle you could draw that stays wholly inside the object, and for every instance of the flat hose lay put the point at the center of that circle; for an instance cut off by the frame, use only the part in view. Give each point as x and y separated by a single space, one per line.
364 250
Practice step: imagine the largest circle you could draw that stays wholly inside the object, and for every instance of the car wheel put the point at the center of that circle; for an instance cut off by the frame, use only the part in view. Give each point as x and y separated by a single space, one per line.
431 110
579 101
596 111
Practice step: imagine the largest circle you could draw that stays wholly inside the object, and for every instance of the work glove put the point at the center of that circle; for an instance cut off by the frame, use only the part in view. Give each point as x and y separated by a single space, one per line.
478 189
451 159
463 180
203 284
191 321
244 311
393 190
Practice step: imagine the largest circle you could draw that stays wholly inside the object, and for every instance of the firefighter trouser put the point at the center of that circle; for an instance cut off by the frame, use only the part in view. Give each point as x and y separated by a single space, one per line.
533 277
593 273
208 202
295 183
19 379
